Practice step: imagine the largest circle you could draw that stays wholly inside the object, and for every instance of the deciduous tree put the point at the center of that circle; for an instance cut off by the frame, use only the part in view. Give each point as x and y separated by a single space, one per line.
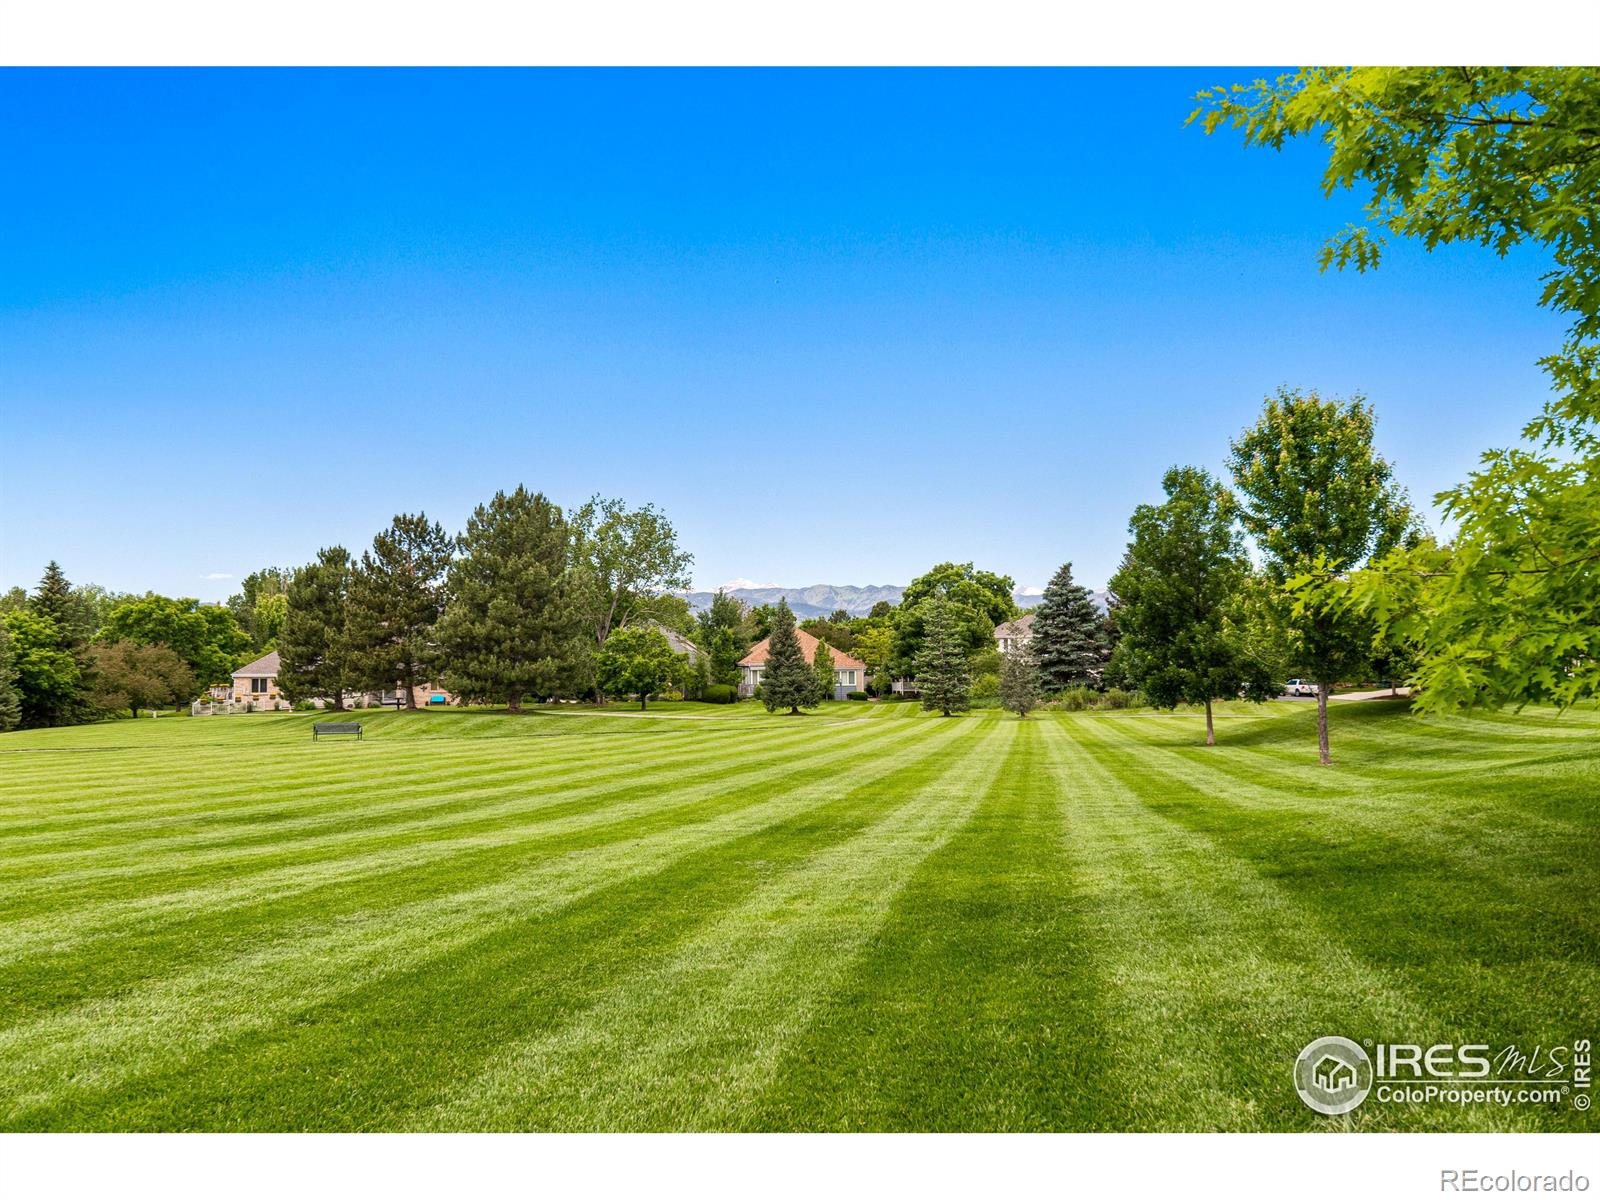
133 676
635 661
205 636
822 668
1509 611
1316 496
979 600
1180 600
49 681
627 556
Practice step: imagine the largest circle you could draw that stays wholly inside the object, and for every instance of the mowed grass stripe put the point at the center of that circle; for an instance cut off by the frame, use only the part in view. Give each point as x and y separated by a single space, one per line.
106 1042
59 927
1223 974
454 1011
691 1042
1468 885
972 1008
139 801
321 807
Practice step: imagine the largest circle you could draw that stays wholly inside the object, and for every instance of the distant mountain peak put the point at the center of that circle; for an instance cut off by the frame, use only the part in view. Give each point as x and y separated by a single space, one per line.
823 599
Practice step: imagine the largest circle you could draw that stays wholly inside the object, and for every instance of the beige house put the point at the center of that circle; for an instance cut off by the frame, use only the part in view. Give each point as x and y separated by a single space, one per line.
1013 635
849 674
257 683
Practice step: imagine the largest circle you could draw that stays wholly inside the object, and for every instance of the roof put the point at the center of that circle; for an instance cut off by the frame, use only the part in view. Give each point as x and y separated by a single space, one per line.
1020 628
808 650
679 643
266 665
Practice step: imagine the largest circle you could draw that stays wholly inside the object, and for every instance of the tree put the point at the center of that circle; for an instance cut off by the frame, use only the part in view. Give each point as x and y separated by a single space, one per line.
1318 497
626 557
874 646
48 678
56 599
822 668
786 680
205 636
312 657
1019 681
133 676
510 628
394 600
836 630
979 601
259 606
1508 612
720 629
10 702
1068 639
1180 596
635 661
941 664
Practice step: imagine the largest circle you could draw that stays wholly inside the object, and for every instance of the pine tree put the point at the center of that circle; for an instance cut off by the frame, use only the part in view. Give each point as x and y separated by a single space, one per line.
510 628
56 601
312 658
942 675
822 668
395 599
1068 638
54 598
786 681
1019 681
10 703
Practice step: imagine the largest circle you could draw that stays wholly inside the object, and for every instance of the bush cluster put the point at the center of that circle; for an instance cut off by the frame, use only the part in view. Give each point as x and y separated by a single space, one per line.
719 693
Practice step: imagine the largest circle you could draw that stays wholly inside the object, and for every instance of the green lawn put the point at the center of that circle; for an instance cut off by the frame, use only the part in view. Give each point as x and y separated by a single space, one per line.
712 918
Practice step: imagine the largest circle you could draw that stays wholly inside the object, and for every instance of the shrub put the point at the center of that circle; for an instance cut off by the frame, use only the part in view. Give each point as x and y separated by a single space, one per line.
304 706
857 696
986 686
1118 698
1075 699
718 693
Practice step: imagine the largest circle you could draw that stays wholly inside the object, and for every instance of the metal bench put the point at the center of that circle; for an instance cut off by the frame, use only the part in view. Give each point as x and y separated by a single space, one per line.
333 727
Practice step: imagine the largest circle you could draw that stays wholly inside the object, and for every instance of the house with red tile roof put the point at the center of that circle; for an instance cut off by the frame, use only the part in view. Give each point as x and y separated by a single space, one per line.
849 674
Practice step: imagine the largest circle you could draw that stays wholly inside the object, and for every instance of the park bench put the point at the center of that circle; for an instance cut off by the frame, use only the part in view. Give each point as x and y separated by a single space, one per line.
332 727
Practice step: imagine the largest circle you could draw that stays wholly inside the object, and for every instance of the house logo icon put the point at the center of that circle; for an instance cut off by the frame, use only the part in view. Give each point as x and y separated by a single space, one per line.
1333 1075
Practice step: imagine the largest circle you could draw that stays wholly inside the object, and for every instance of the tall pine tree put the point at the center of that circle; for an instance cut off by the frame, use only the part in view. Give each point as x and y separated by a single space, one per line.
510 628
1068 639
312 658
787 681
942 674
396 596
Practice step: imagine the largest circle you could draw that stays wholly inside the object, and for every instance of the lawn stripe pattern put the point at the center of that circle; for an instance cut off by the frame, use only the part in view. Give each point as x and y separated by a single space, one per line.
867 919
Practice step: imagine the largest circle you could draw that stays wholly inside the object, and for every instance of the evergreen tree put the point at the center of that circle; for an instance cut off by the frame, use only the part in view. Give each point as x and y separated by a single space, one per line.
942 674
822 668
55 598
58 602
10 703
1181 602
510 628
721 636
786 681
1068 639
726 649
312 660
395 599
1019 681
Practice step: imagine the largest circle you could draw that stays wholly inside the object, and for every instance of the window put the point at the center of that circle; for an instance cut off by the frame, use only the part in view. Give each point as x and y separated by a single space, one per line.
258 686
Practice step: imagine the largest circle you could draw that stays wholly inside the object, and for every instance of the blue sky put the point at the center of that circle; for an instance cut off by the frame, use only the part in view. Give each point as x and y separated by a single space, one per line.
839 325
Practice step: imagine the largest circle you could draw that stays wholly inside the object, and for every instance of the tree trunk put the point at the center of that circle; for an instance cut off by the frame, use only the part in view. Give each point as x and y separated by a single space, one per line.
641 701
411 690
514 702
1323 756
1211 733
338 700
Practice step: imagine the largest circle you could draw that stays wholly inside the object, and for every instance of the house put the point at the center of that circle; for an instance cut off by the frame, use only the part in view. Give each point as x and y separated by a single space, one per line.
257 683
1334 1074
679 643
849 674
1013 635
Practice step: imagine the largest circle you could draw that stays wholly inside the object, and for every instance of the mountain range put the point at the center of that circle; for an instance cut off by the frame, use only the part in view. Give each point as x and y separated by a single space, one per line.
820 599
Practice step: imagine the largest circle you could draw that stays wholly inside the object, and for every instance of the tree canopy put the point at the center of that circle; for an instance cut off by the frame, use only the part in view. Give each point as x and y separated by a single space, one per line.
205 636
636 661
1067 640
943 678
979 600
787 680
393 601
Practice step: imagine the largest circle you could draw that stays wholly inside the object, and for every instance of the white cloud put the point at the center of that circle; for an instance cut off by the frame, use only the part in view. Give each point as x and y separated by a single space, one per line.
1030 591
216 575
734 584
